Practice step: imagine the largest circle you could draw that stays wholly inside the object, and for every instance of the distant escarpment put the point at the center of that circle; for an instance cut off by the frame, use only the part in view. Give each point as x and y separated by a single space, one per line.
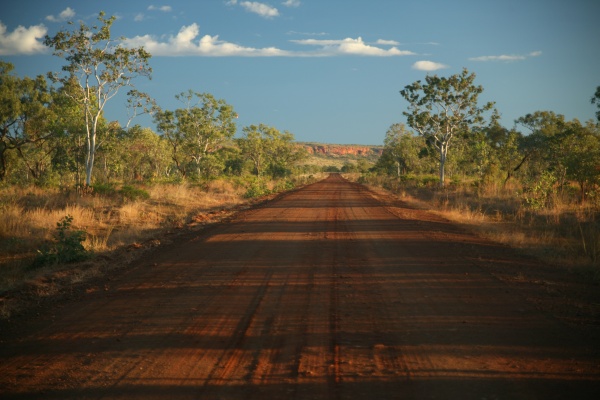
342 149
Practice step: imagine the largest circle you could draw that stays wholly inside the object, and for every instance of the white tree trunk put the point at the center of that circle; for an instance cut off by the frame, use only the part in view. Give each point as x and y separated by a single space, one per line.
89 162
443 153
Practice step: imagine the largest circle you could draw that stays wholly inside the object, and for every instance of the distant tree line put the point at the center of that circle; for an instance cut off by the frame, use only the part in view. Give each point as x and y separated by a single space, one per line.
543 152
54 131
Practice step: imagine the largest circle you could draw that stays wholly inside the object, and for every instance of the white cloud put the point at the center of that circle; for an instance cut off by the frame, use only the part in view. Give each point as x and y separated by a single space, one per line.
189 42
387 42
306 33
351 46
139 17
428 66
507 57
66 14
291 3
22 40
160 8
264 10
185 43
503 57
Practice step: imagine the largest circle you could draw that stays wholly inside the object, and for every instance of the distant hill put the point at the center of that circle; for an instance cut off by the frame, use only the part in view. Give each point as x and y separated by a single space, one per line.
342 149
323 154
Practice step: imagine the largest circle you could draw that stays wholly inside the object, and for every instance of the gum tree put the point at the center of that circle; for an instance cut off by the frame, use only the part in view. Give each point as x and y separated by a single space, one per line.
25 115
442 107
269 150
98 67
401 150
198 130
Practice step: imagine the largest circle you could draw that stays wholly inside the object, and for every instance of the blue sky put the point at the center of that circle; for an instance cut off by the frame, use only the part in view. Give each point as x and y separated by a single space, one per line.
331 70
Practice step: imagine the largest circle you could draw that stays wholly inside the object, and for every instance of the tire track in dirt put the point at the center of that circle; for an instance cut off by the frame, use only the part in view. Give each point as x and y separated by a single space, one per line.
325 293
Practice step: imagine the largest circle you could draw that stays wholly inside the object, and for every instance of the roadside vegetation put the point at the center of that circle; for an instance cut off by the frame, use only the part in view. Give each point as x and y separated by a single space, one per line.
76 186
535 186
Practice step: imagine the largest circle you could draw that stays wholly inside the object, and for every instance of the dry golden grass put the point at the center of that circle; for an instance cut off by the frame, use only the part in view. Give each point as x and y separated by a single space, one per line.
111 222
30 216
567 233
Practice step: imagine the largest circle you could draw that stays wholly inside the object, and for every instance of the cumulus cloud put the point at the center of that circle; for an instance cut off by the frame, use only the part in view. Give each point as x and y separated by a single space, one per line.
186 43
66 14
351 46
262 9
160 8
291 3
189 42
507 57
428 66
22 40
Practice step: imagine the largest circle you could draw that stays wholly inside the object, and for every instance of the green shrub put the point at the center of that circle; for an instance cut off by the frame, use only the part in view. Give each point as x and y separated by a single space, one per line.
104 189
537 194
256 188
283 186
67 247
133 193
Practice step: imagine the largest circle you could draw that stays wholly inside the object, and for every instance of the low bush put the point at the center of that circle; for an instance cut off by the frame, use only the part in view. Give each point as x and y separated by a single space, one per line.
133 193
256 187
68 246
104 189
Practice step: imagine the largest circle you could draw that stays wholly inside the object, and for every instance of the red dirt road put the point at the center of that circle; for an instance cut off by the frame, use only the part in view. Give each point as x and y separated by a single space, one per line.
324 293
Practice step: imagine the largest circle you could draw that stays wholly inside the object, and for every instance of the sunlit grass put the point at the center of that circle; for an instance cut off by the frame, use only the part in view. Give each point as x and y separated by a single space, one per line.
30 216
565 233
110 220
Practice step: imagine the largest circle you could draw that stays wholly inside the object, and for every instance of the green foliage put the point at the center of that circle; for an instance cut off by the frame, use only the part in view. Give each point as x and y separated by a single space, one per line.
537 194
596 100
284 185
133 193
200 129
256 187
67 247
25 121
403 153
97 68
104 189
269 150
331 168
442 108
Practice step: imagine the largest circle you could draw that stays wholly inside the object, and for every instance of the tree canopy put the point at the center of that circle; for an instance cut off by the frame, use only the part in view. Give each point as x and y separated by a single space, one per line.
97 68
442 107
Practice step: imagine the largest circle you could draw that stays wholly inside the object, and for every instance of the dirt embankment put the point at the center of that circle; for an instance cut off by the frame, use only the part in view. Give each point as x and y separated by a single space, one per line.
326 293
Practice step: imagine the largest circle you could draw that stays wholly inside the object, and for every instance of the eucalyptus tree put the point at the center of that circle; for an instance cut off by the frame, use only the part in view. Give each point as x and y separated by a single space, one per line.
442 107
269 149
254 145
283 153
98 66
542 147
25 117
142 154
201 128
581 155
596 100
564 150
400 150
